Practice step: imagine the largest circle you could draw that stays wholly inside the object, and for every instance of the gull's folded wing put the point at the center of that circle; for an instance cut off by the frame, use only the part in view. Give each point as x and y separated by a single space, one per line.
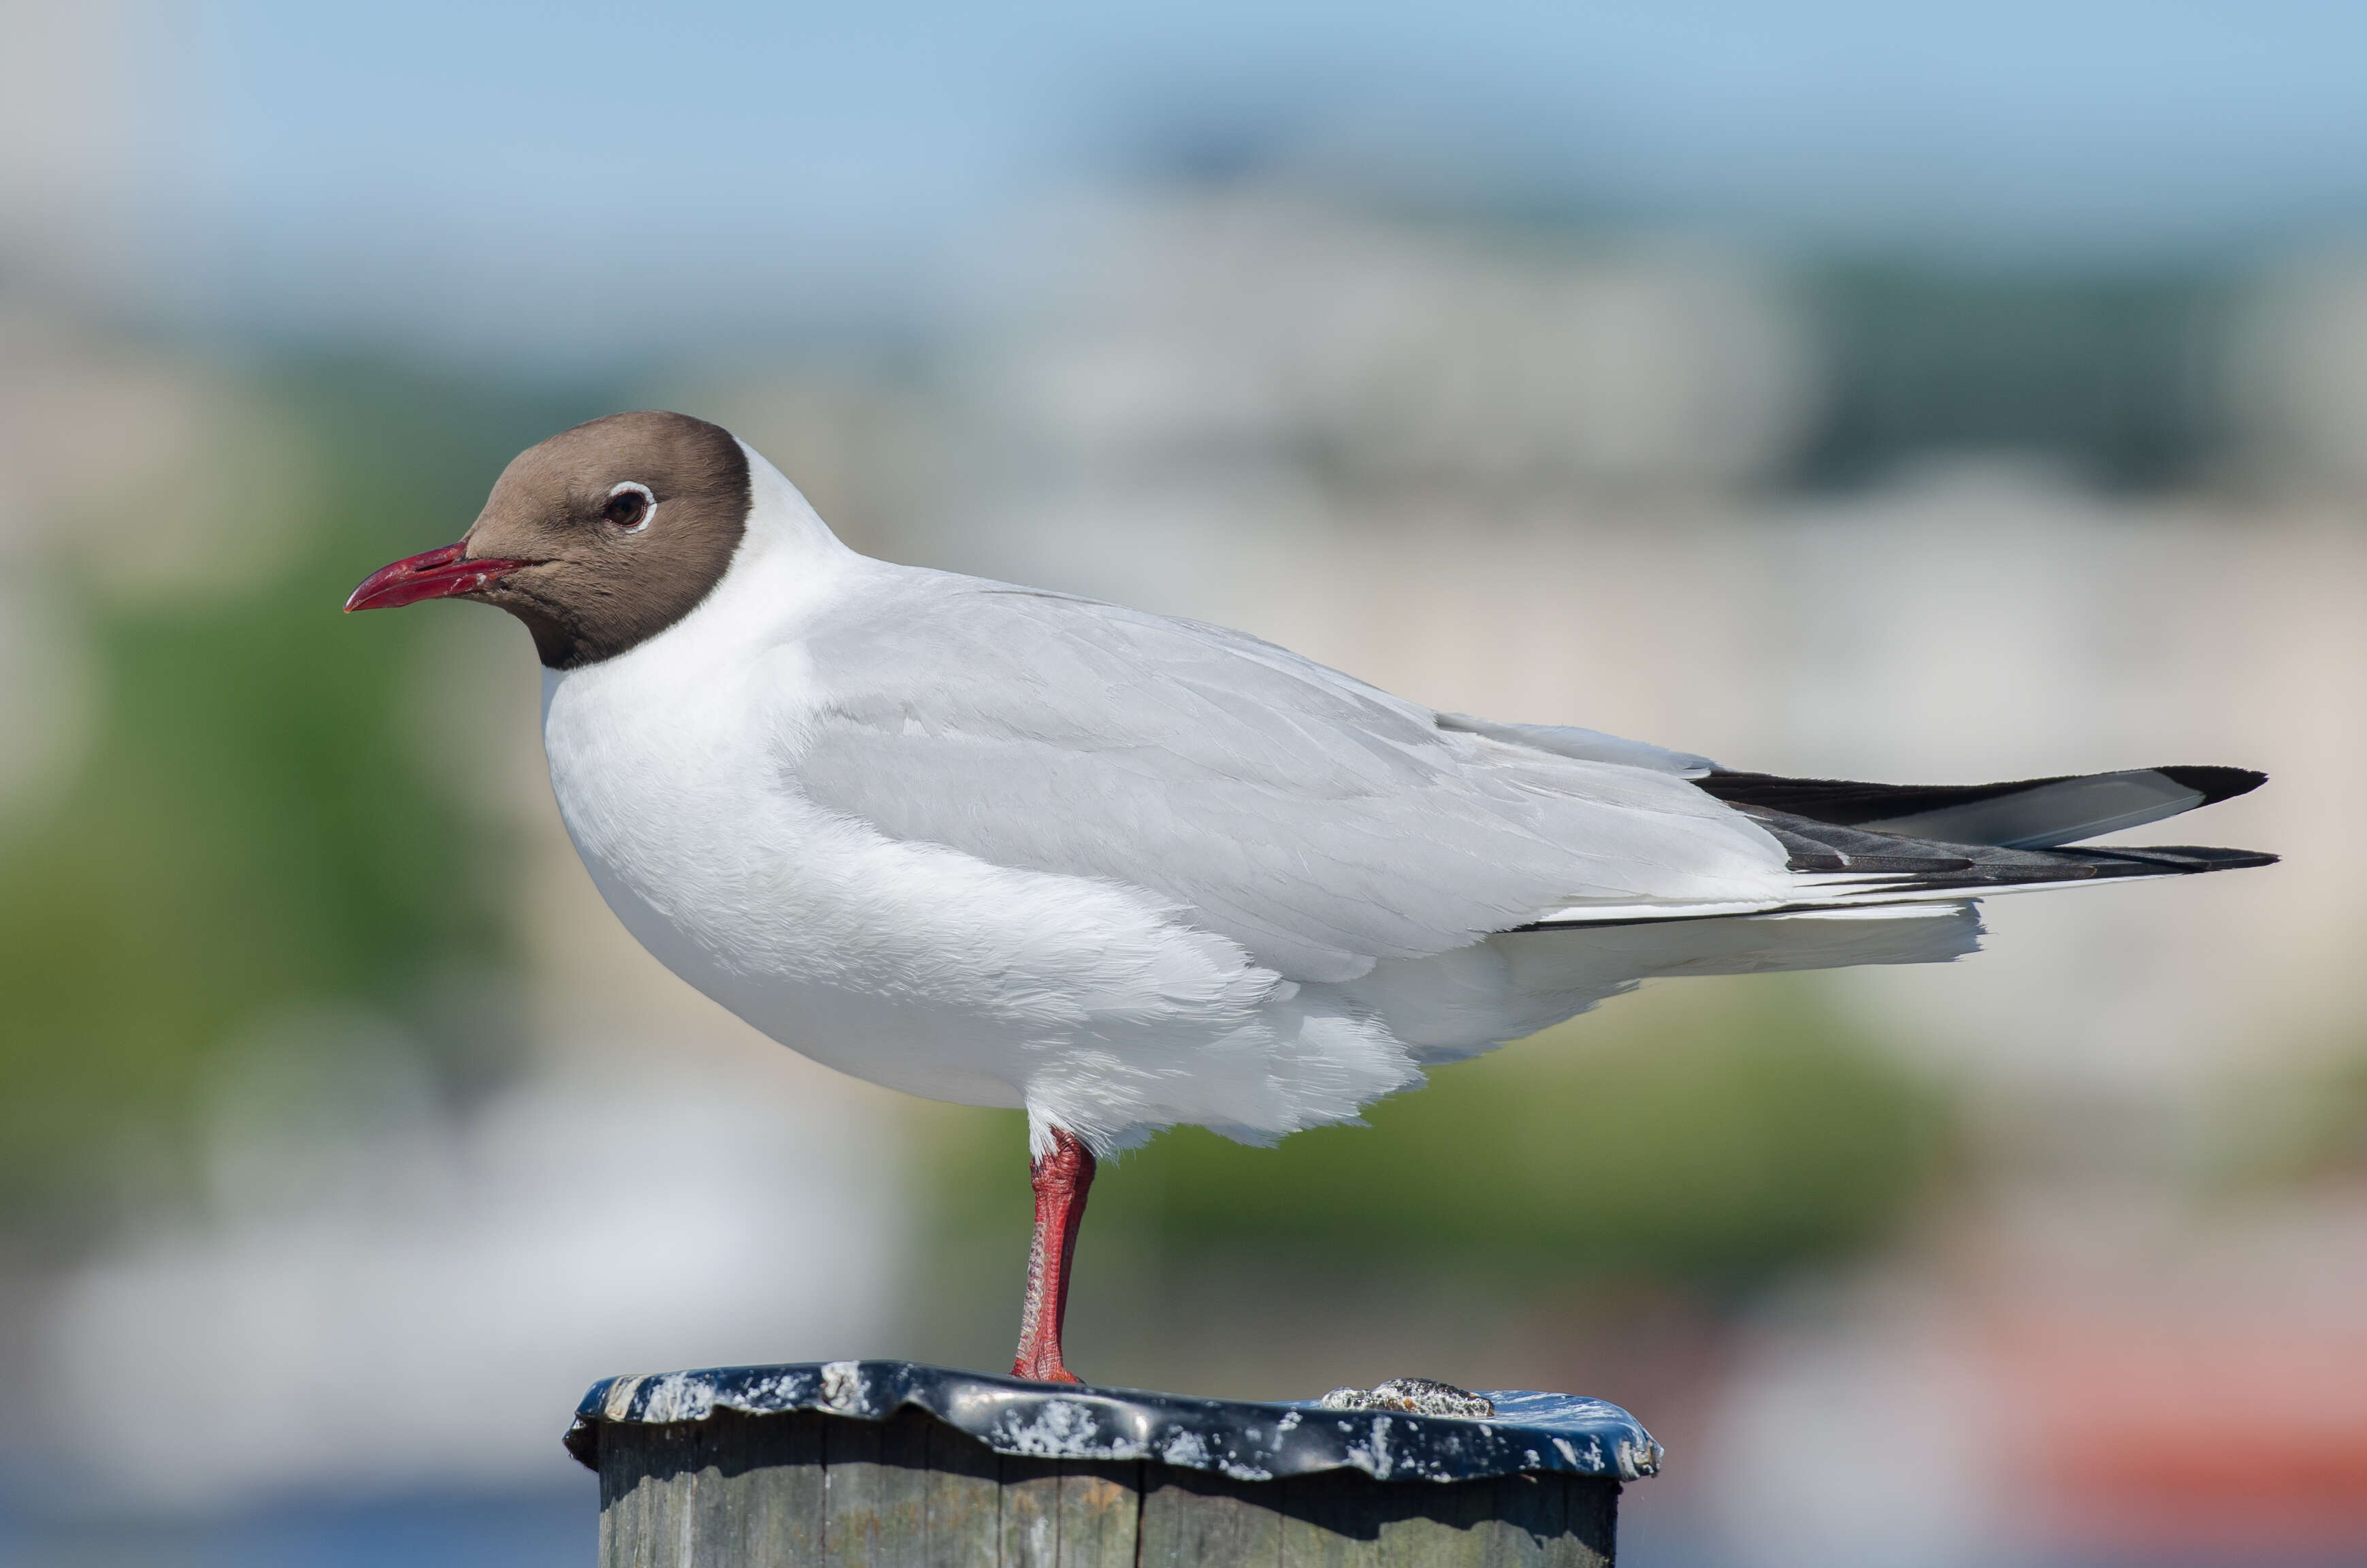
1319 822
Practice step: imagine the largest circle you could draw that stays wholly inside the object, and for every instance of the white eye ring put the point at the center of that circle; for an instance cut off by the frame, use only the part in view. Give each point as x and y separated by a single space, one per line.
648 507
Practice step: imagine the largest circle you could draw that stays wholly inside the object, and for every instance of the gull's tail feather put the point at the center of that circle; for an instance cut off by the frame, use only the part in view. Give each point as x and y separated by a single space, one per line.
1854 846
1453 1005
1832 864
1934 931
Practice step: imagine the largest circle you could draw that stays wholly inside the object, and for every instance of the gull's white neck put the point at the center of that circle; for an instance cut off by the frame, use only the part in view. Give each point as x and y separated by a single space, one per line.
779 518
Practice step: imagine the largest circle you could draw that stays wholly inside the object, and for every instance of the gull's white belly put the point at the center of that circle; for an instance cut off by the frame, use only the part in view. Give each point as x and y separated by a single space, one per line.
916 966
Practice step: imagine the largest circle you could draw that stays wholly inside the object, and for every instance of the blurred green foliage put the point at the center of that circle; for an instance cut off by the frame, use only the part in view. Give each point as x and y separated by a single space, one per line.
2295 1128
2333 1139
250 829
1705 1136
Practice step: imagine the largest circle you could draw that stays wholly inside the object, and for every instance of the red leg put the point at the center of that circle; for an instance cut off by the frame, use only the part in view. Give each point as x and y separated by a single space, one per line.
1063 1178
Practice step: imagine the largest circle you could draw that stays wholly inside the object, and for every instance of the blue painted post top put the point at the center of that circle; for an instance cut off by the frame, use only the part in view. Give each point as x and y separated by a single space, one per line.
1244 1441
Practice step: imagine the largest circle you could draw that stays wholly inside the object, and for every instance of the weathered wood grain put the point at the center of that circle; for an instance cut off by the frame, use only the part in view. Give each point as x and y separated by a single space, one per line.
1525 1523
904 1490
965 1502
1190 1517
806 1490
1591 1527
1101 1510
853 1495
755 1492
648 1523
1031 1513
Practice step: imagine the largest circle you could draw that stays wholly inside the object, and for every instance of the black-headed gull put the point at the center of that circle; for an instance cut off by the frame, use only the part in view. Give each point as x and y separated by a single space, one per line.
1010 847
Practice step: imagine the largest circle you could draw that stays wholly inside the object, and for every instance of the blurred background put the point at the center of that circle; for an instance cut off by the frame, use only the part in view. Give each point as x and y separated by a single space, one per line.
1941 393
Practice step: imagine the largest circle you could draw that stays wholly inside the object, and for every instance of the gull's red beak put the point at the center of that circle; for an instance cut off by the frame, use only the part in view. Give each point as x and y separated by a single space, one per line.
438 574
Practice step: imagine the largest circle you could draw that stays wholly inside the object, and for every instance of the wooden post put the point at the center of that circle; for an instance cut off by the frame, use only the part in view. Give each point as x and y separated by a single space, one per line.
887 1464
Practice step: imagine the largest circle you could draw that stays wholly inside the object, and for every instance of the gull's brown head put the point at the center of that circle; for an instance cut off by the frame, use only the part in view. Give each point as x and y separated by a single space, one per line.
598 539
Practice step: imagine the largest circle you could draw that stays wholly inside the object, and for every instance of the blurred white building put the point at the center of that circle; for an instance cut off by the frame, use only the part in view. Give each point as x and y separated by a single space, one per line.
1208 328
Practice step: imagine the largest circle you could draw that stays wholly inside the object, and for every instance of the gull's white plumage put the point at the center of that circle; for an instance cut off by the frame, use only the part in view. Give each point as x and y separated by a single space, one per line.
1006 848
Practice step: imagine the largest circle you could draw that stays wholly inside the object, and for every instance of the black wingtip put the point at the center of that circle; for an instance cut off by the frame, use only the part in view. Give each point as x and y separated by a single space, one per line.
2188 857
2215 784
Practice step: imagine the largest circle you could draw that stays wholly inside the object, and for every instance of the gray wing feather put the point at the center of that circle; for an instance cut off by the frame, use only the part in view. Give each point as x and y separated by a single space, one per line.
1587 745
1320 822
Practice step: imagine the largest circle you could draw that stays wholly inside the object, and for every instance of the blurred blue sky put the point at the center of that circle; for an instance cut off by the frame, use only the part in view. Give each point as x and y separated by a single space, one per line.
575 159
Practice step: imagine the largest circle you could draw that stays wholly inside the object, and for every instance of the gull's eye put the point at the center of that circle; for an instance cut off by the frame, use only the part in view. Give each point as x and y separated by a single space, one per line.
631 506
